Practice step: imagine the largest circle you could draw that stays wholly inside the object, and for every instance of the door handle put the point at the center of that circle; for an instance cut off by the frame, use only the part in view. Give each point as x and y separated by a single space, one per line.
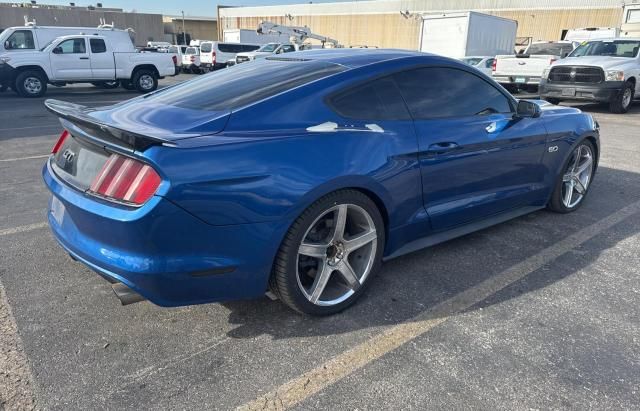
442 147
84 58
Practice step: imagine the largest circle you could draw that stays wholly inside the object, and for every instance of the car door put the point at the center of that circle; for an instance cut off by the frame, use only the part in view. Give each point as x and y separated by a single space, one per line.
102 63
70 60
476 157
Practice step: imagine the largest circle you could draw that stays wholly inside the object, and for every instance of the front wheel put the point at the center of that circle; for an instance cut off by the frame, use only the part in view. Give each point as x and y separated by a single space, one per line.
622 101
31 83
145 81
574 183
329 254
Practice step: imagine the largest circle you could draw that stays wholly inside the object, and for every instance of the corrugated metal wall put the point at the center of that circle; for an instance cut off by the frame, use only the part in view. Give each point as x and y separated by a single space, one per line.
373 24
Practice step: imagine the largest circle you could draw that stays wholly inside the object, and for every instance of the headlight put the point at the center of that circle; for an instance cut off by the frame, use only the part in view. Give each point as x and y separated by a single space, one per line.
545 73
615 75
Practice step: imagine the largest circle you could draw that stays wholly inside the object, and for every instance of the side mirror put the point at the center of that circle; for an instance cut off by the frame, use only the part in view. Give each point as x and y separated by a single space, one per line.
57 50
527 109
7 45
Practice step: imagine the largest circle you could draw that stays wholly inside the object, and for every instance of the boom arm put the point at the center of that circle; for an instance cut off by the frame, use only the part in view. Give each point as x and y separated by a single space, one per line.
297 34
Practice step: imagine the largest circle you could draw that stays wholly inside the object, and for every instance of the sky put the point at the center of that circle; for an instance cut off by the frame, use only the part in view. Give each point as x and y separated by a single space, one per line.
172 7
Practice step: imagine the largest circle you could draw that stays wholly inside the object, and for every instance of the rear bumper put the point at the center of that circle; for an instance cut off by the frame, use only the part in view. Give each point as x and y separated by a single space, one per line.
602 92
161 251
517 80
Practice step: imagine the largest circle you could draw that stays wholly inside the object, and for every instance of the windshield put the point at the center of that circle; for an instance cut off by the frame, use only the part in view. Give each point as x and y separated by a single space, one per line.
192 50
472 61
243 84
550 49
268 47
612 48
206 47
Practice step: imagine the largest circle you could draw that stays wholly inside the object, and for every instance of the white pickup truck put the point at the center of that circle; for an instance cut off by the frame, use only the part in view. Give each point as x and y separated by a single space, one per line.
605 71
265 51
524 71
84 59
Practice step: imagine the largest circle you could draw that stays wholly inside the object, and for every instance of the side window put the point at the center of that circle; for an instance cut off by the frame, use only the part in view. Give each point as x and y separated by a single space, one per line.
446 92
250 47
489 63
97 46
375 100
288 48
72 46
20 40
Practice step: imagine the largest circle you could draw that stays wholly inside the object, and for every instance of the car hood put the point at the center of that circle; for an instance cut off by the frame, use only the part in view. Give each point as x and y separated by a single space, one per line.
141 117
605 62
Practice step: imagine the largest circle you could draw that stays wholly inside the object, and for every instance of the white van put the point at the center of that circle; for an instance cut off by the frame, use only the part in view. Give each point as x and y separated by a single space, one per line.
191 60
31 38
217 54
592 33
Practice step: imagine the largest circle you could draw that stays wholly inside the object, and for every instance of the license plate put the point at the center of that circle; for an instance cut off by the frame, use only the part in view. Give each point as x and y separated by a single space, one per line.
521 80
57 210
568 91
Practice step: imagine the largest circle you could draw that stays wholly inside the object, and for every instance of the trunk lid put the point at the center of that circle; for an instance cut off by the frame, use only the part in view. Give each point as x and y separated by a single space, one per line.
523 65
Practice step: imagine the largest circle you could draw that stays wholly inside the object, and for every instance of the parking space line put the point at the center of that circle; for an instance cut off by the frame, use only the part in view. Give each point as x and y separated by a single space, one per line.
24 158
344 364
16 381
22 229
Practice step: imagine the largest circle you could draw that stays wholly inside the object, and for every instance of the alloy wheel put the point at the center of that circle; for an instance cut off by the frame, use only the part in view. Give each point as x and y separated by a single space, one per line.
577 177
626 97
336 254
32 85
146 81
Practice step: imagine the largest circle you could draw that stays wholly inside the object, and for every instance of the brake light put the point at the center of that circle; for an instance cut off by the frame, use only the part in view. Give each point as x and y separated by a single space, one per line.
213 57
494 64
60 142
126 179
175 60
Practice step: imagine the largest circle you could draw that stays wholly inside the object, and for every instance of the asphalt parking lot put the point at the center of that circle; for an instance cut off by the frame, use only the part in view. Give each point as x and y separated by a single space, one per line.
539 312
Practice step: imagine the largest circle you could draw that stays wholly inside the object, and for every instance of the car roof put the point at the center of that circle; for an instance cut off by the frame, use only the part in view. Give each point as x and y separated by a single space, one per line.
354 58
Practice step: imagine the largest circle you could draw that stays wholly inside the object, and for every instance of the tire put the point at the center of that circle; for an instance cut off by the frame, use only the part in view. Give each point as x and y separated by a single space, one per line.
127 85
31 83
567 179
107 84
145 81
622 101
295 274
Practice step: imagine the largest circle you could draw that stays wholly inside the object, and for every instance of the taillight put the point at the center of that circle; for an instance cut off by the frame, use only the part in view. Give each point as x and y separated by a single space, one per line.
175 60
60 142
126 179
213 57
551 61
494 64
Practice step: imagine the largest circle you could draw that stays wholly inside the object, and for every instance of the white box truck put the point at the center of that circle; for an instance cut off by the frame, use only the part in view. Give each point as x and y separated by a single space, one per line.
459 35
252 37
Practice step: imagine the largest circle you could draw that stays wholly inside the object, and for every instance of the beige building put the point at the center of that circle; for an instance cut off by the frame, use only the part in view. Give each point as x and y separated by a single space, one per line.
200 28
397 23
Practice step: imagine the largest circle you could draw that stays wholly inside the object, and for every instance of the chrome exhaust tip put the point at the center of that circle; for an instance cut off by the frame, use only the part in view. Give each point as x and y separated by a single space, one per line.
125 294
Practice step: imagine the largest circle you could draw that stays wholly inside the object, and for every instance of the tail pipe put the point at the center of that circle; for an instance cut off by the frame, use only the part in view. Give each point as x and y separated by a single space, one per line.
126 295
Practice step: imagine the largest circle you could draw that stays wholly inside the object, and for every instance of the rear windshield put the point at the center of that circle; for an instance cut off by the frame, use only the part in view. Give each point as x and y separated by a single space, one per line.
550 49
243 84
206 47
192 50
612 48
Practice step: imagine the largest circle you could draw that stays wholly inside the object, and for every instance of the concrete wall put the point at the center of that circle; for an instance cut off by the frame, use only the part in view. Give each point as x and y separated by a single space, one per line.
379 23
147 26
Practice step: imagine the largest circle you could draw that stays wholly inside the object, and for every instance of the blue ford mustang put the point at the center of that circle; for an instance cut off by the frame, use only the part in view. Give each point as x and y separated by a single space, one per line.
301 174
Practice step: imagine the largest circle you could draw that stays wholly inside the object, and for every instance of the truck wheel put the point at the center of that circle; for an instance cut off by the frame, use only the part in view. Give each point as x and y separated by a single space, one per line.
31 83
145 81
622 101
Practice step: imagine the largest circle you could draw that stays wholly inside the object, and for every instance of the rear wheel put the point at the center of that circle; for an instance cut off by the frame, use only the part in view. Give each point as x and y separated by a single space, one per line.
145 81
329 254
31 83
622 101
574 183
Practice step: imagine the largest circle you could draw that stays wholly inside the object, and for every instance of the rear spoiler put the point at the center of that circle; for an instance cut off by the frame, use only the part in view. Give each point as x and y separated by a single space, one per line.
79 116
